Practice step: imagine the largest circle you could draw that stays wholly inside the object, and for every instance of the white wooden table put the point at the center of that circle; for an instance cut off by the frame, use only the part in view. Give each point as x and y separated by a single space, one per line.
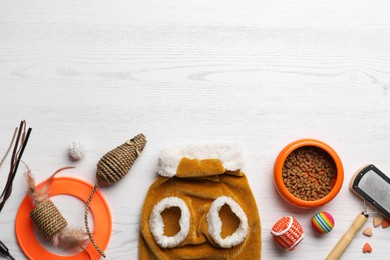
258 73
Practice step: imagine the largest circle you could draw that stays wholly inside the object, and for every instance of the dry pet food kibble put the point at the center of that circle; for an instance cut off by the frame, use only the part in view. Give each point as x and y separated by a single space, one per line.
309 173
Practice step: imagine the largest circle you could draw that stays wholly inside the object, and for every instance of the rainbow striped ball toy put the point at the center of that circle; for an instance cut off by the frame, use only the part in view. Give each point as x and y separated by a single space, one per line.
322 222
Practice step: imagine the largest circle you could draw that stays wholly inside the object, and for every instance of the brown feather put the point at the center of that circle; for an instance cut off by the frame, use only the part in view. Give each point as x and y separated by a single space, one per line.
70 238
30 183
38 195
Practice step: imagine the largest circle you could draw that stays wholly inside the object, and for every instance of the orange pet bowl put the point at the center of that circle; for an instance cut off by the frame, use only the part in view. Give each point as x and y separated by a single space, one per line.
280 175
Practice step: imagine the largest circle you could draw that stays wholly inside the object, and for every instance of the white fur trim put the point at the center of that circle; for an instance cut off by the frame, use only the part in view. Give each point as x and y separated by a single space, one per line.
230 156
156 222
214 223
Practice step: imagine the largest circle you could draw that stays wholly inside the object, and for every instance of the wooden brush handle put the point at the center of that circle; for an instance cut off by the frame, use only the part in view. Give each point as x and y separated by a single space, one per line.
344 242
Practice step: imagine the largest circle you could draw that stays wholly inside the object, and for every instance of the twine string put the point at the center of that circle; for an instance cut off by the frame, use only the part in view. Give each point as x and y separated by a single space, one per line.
86 222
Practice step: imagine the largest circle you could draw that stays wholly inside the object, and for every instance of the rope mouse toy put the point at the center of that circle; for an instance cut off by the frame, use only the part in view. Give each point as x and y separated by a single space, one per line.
112 167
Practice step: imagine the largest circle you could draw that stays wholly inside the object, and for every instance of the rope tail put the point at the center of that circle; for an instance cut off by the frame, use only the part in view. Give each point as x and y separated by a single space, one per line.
86 222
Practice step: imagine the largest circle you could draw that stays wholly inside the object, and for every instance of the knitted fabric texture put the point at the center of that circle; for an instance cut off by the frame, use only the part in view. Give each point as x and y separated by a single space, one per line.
48 219
200 207
115 164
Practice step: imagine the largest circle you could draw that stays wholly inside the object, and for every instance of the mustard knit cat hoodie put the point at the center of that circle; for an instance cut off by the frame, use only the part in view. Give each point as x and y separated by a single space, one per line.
200 207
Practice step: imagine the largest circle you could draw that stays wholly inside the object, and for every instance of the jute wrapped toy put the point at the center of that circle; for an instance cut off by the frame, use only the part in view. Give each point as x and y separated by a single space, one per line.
112 167
48 218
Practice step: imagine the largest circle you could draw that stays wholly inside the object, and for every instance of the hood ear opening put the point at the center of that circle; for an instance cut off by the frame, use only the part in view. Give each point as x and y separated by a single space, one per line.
214 223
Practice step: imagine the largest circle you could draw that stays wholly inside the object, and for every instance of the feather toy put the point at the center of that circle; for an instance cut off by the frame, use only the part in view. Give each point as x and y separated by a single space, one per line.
48 218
